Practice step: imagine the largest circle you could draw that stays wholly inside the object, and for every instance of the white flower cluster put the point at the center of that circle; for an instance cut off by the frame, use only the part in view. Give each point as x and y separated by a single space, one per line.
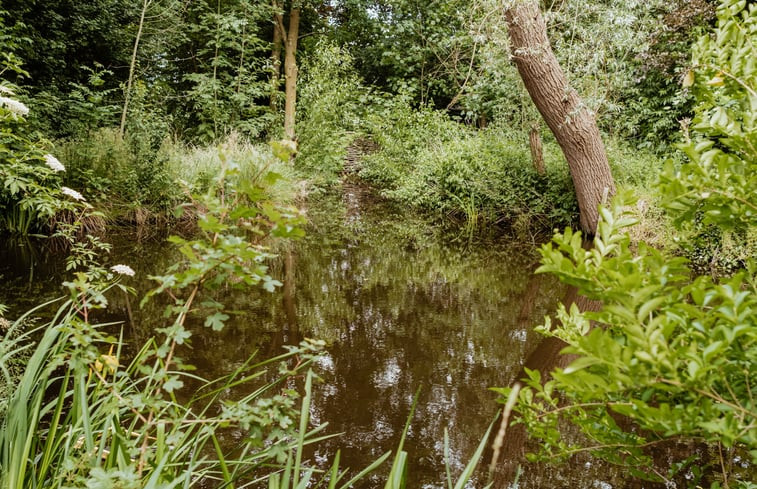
72 193
16 107
123 270
53 163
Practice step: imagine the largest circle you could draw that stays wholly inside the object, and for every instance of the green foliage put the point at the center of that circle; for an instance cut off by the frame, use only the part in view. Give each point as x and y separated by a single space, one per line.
720 180
670 355
655 104
713 196
109 418
9 43
30 192
333 103
84 106
232 216
122 174
597 43
434 163
129 179
226 81
65 46
412 47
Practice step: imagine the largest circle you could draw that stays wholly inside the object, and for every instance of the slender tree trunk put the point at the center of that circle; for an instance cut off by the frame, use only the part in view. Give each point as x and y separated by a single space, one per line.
278 36
572 123
290 71
537 153
215 70
132 66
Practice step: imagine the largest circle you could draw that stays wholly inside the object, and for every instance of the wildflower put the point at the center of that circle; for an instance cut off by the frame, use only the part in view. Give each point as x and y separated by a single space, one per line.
4 89
107 361
72 193
53 163
123 270
14 106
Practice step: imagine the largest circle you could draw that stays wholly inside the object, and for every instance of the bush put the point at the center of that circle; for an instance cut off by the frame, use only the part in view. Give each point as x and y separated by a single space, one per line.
125 178
31 194
119 173
434 163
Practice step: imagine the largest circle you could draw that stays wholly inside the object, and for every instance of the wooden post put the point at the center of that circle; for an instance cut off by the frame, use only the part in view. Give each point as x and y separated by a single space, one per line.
537 153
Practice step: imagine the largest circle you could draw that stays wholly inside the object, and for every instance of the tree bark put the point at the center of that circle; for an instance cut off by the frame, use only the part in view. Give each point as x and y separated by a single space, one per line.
572 123
278 36
537 153
290 72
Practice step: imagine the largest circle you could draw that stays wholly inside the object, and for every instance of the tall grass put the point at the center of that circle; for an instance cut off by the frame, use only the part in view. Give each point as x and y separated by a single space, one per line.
197 166
131 183
78 417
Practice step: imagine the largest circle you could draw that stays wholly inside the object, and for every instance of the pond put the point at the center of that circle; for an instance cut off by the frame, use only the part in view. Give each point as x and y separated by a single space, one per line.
402 307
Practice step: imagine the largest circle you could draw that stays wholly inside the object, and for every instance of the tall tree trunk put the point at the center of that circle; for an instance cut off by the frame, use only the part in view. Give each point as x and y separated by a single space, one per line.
290 72
278 37
572 123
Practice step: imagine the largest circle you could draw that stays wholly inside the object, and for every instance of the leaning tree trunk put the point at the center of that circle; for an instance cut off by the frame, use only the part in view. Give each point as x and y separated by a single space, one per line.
572 123
290 72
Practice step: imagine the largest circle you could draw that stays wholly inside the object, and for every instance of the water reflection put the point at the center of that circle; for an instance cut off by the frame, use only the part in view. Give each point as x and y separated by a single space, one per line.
401 307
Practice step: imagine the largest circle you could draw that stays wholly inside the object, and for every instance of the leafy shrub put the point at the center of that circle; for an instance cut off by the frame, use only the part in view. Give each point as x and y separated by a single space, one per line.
31 193
435 163
123 178
119 172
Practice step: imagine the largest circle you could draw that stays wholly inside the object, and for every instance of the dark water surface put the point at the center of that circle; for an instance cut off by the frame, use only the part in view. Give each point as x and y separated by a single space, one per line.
400 305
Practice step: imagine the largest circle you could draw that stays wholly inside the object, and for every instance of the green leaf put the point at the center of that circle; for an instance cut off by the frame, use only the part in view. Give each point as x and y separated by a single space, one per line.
216 321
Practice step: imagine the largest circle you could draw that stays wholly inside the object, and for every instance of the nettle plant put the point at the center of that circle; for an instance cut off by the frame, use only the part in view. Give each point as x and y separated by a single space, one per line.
670 356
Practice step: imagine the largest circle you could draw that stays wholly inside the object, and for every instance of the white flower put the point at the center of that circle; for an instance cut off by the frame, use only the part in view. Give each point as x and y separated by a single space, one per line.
123 270
72 193
14 106
55 165
4 89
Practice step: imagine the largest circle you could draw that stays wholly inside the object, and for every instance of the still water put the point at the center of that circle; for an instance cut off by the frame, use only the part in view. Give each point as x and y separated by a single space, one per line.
401 305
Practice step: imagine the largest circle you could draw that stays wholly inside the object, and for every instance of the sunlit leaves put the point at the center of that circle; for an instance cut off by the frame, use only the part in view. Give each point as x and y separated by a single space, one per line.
719 184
